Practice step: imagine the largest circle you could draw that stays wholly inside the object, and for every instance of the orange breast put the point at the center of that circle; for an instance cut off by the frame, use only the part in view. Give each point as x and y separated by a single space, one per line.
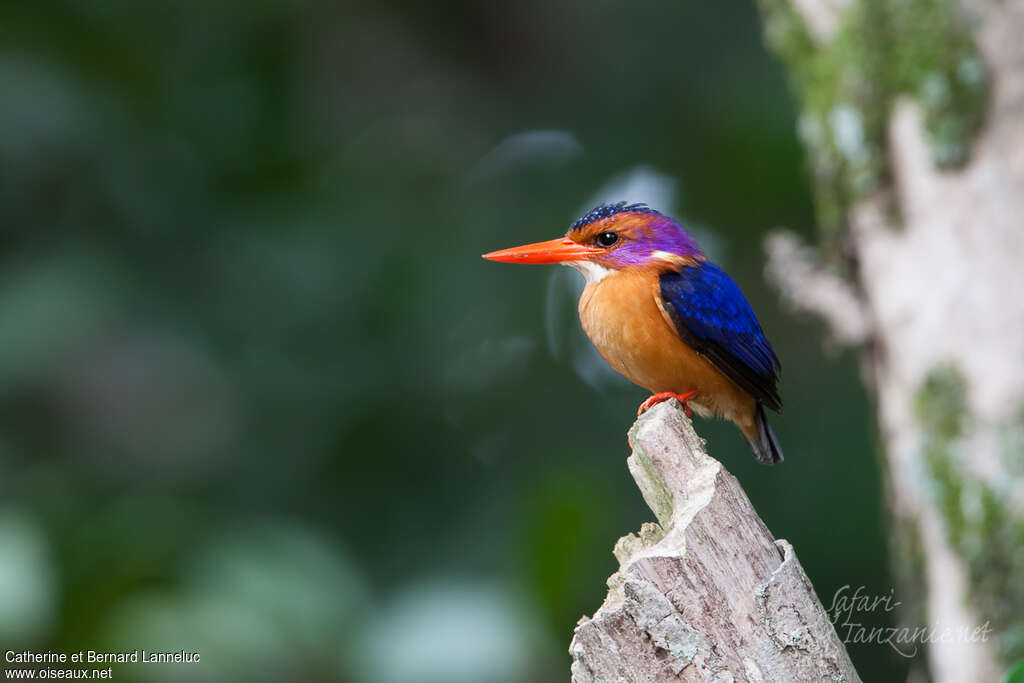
621 315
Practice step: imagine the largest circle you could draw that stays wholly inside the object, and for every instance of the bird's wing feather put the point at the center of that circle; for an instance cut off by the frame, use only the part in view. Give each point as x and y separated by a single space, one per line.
711 314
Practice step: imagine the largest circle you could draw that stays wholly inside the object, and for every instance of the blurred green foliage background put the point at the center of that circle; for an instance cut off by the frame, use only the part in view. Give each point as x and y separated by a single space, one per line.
261 398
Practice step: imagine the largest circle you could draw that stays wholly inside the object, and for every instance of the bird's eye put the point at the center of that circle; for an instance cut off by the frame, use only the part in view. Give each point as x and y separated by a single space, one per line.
607 239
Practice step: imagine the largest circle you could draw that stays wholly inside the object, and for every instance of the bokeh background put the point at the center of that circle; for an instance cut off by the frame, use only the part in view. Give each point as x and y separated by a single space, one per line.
261 398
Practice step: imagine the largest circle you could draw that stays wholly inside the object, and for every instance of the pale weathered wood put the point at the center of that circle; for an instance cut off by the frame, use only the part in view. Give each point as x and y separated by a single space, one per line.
707 593
934 293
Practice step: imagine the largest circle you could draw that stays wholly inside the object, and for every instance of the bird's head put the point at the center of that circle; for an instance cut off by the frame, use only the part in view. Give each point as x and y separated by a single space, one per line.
612 237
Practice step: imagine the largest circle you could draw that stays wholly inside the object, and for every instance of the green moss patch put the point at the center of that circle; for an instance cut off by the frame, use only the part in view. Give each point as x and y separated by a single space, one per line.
978 518
882 49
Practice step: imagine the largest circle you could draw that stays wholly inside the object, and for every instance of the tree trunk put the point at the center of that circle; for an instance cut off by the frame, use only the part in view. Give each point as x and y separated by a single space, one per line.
913 118
707 593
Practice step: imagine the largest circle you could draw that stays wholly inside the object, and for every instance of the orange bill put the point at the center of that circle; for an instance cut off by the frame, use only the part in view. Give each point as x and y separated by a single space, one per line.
553 251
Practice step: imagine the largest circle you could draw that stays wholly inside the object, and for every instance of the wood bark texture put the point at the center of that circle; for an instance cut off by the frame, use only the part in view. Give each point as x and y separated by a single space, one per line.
707 593
938 301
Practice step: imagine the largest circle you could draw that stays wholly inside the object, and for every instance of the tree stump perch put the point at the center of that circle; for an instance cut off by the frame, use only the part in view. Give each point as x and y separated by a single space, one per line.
707 593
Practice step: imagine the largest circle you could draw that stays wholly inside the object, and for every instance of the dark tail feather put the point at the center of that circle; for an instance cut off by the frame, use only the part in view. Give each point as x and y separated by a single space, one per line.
766 449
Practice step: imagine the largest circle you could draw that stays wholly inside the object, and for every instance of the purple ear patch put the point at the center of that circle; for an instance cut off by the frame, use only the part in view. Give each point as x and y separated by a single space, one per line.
648 235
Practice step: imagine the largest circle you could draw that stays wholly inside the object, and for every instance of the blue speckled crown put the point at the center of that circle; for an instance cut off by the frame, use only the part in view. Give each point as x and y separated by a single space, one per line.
604 210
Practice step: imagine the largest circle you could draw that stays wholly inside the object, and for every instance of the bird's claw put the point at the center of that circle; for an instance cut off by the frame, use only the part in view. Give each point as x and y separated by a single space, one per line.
655 399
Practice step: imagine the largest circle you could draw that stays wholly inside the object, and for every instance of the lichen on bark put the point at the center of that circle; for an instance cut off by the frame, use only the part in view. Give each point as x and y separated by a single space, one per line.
847 84
979 519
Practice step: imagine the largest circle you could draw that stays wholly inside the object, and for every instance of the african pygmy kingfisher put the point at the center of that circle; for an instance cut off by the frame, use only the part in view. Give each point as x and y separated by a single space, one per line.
667 318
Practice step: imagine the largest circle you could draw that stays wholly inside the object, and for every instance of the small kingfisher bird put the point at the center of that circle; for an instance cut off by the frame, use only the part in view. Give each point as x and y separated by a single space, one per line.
668 319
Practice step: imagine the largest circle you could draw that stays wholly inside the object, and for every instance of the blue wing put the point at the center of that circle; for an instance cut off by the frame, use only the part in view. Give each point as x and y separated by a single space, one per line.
712 316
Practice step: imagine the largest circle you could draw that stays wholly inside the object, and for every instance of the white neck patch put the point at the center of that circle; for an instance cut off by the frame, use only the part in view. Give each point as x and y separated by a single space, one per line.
591 271
669 257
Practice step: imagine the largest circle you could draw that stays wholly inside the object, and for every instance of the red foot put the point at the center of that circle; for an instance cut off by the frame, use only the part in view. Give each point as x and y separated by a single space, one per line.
655 399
